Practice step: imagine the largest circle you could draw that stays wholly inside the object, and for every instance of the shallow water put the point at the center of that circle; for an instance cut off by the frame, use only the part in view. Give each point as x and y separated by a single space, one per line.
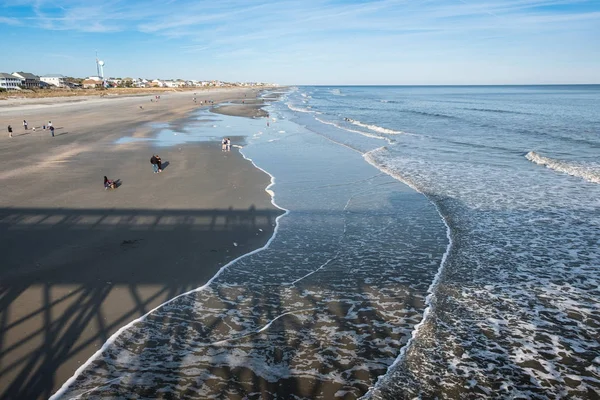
360 266
515 172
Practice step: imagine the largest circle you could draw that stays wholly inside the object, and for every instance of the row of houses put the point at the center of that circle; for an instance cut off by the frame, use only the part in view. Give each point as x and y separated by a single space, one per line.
25 80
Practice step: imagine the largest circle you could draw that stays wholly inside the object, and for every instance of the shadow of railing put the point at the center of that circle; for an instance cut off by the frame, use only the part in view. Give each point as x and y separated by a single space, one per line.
69 278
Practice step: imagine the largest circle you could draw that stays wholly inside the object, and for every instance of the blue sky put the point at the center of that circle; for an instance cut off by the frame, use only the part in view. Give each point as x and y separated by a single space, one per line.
308 41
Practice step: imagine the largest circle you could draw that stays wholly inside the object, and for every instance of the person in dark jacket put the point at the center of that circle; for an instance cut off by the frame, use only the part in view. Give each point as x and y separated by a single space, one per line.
9 131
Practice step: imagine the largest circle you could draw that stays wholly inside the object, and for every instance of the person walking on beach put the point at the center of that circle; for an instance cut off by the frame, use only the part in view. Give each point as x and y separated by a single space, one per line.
52 130
25 124
154 162
49 124
228 144
9 131
224 144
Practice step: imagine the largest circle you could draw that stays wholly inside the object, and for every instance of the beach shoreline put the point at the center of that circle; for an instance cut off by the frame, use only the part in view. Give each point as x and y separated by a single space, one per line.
81 261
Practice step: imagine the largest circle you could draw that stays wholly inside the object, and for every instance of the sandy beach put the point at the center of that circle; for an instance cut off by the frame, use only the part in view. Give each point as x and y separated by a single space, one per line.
79 261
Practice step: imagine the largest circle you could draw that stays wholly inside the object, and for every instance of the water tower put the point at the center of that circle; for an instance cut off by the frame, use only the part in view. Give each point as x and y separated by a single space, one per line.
100 69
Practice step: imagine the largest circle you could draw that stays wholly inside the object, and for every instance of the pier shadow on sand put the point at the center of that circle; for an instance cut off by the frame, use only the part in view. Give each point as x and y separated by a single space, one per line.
70 278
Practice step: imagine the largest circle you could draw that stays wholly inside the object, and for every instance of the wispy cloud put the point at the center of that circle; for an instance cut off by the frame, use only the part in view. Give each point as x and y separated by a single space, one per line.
10 21
291 17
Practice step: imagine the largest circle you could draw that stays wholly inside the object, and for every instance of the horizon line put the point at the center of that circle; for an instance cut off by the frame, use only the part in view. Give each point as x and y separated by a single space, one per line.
455 85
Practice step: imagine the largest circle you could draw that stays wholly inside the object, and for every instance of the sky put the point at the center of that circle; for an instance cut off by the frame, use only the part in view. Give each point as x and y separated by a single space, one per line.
308 42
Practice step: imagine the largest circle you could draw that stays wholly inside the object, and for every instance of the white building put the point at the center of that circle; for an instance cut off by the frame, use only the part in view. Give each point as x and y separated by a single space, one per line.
9 82
55 80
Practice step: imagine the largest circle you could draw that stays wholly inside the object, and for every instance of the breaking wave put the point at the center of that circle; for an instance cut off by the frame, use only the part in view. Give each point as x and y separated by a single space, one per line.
374 128
303 110
590 172
350 130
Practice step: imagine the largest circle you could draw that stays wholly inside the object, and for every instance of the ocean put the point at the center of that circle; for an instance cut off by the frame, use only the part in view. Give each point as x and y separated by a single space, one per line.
436 242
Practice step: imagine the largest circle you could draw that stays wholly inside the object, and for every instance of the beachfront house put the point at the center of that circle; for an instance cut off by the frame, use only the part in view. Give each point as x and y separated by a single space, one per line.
28 81
9 81
54 80
91 83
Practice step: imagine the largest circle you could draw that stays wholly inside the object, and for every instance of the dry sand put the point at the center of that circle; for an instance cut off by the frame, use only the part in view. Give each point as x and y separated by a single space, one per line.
78 262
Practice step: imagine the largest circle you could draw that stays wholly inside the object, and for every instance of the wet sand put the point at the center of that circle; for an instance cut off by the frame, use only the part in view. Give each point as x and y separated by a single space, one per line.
79 261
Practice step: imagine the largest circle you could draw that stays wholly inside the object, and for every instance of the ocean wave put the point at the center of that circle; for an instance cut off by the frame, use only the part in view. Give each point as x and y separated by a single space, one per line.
374 128
337 92
429 114
350 130
302 110
496 111
590 172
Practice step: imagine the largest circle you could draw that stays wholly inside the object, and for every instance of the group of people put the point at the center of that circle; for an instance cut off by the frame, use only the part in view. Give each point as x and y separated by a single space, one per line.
156 163
50 127
226 144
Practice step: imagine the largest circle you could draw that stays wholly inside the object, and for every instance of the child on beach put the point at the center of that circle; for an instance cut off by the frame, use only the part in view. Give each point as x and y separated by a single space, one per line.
9 131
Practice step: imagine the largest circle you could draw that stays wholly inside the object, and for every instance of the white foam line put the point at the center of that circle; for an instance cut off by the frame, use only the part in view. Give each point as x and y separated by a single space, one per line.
431 295
374 127
316 270
353 130
268 325
264 328
340 241
60 392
